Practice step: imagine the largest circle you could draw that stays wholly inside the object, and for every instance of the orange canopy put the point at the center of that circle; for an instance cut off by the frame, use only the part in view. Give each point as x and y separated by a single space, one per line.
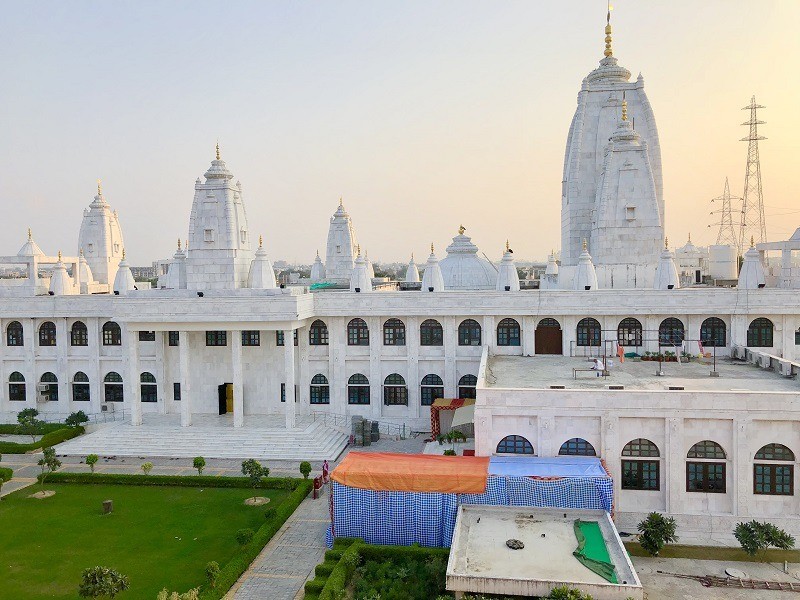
386 471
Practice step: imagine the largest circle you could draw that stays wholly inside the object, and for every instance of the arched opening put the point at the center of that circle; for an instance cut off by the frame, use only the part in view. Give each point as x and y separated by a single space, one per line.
47 334
469 333
16 387
640 465
395 392
358 389
760 333
357 333
467 387
514 444
112 334
48 387
430 333
705 471
394 333
576 447
773 471
14 334
713 333
318 334
80 387
148 389
431 388
79 335
508 333
112 384
629 332
320 391
671 332
549 337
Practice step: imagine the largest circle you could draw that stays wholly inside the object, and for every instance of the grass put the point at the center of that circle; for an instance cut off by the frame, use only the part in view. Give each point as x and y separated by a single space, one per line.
714 553
158 536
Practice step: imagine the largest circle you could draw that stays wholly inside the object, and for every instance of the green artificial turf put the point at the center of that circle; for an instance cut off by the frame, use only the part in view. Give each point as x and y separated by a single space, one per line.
158 536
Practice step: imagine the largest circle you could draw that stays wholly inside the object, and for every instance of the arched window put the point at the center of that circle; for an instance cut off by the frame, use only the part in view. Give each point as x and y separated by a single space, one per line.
47 334
320 392
576 447
112 334
466 386
514 444
588 332
394 333
629 332
548 322
112 383
79 335
357 333
713 333
469 333
148 388
508 333
395 392
706 473
770 477
48 387
80 387
642 473
671 332
431 388
430 333
358 389
318 334
759 334
14 336
16 387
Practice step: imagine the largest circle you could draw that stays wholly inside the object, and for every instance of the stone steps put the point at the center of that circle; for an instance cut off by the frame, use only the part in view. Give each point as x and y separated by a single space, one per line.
315 442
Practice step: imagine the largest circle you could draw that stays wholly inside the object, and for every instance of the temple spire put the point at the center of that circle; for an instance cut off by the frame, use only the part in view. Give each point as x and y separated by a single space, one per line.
608 51
218 155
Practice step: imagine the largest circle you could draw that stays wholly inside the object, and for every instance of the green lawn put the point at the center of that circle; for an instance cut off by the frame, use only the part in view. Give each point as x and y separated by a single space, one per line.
158 536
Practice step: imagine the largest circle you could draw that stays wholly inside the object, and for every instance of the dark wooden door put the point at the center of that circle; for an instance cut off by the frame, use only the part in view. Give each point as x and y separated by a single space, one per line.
222 391
548 340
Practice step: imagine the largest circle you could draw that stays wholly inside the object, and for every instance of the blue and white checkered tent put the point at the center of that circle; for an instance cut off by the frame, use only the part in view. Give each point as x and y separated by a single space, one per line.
381 516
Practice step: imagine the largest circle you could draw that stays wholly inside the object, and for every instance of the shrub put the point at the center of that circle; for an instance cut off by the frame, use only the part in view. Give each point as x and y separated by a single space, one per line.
102 581
147 467
305 469
91 460
756 538
51 437
165 594
212 573
77 418
449 452
199 463
269 513
48 463
5 475
244 536
273 483
656 531
567 593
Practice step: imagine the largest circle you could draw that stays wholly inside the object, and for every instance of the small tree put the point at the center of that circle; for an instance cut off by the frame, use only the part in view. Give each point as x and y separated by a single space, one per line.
48 463
212 572
76 419
244 536
199 463
252 468
305 469
91 460
147 467
28 423
656 531
757 538
101 582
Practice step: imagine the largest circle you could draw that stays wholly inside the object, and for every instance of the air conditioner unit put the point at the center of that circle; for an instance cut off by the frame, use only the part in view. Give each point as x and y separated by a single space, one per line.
43 387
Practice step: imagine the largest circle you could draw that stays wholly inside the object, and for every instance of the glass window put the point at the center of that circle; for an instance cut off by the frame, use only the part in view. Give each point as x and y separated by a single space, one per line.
514 444
640 475
394 333
629 332
176 392
251 337
80 387
79 334
466 387
469 333
775 452
47 334
671 332
430 333
112 383
759 333
14 335
395 392
216 338
318 334
708 477
358 389
508 333
174 338
320 392
773 480
16 387
279 338
577 447
640 447
283 392
49 391
112 334
431 388
148 387
588 332
713 333
357 333
706 449
147 336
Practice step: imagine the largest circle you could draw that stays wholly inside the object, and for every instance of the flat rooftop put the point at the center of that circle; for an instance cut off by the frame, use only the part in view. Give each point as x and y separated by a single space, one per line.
480 560
543 371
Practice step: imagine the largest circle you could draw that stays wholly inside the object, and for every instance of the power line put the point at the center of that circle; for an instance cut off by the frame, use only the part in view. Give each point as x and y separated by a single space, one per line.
753 225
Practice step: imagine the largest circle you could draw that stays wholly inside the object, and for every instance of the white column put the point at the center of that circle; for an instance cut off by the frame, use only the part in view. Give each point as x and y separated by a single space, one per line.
412 355
528 326
132 375
304 390
238 379
291 408
186 386
161 375
30 338
450 333
62 372
95 374
336 365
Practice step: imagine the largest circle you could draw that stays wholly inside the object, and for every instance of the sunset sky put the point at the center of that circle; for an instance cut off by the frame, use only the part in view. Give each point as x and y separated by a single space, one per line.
422 115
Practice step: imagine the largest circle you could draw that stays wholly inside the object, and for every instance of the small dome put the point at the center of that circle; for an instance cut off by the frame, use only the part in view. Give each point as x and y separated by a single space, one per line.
752 275
508 276
412 272
61 283
317 269
123 280
666 272
585 274
432 279
30 248
463 269
360 279
262 275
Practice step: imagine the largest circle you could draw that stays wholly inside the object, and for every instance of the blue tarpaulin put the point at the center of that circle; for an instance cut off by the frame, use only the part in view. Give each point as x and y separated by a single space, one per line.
539 466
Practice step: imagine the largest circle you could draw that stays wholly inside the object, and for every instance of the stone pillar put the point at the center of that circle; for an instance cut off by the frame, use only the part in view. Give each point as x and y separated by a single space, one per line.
375 325
528 327
29 339
62 372
238 378
336 365
450 332
304 376
291 408
489 333
186 386
132 374
674 464
5 404
161 374
95 374
414 377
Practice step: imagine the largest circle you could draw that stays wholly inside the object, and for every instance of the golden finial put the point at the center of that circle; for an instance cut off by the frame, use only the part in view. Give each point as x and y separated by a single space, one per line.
412 257
260 241
584 245
123 254
690 237
431 247
608 51
317 252
99 188
218 158
358 250
179 244
30 235
624 109
461 229
59 256
666 243
507 246
752 242
340 202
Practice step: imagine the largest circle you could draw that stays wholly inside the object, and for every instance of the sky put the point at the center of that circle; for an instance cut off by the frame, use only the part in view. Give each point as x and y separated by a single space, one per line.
421 115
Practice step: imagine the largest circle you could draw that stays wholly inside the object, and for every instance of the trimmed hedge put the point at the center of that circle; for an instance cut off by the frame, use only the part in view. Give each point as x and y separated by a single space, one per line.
13 428
268 483
231 572
6 474
48 439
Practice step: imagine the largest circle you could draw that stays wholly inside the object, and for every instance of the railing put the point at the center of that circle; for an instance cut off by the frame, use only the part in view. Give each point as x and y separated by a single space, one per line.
345 421
101 417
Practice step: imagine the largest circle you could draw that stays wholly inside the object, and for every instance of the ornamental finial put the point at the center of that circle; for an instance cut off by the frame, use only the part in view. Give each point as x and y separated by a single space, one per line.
431 247
585 245
752 242
340 202
608 50
179 244
624 110
123 254
690 237
507 248
59 256
99 188
260 241
30 235
461 229
358 250
218 156
81 253
666 243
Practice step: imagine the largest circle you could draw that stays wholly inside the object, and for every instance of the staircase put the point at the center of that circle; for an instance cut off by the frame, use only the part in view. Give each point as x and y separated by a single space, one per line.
313 442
